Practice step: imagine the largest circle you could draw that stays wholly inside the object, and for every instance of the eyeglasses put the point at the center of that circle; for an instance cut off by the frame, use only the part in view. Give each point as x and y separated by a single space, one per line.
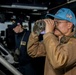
57 23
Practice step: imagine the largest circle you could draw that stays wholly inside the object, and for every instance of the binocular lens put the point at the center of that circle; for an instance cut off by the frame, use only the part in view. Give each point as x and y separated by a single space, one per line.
41 24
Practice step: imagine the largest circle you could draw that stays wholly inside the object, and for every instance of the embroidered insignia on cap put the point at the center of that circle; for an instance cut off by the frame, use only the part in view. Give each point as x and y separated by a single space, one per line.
69 16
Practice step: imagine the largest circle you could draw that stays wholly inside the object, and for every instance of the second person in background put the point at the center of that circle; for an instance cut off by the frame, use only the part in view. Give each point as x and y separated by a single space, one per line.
21 39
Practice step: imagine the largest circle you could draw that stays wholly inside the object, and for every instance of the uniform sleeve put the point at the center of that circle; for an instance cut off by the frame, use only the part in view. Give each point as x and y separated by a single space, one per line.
34 47
59 55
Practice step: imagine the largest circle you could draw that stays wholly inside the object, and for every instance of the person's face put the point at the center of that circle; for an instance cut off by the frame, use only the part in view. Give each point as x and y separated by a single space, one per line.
17 29
62 26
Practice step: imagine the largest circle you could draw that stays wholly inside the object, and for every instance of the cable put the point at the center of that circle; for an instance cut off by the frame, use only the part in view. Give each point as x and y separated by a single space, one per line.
68 2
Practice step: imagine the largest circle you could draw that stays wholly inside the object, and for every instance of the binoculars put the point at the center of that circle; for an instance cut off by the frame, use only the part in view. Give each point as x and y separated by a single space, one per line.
39 26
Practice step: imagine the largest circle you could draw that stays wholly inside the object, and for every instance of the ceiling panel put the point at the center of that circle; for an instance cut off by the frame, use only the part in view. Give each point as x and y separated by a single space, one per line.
35 7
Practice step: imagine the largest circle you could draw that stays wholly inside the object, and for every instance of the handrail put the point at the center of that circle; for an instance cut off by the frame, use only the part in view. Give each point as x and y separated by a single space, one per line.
6 54
9 66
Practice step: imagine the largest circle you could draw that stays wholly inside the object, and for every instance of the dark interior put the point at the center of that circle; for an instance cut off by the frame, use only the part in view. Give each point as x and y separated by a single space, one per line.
31 10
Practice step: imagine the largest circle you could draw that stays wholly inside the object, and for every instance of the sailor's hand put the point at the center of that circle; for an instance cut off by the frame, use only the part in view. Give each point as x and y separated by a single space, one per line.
49 25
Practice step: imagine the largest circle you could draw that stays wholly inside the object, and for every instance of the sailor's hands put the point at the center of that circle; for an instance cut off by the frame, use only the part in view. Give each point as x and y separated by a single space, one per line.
49 25
46 25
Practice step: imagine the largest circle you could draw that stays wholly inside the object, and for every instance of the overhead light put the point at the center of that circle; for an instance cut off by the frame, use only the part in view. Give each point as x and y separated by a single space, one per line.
34 9
36 13
9 12
25 7
30 7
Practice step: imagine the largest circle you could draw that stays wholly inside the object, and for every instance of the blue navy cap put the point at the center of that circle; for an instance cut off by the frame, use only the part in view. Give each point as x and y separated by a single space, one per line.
15 24
65 14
